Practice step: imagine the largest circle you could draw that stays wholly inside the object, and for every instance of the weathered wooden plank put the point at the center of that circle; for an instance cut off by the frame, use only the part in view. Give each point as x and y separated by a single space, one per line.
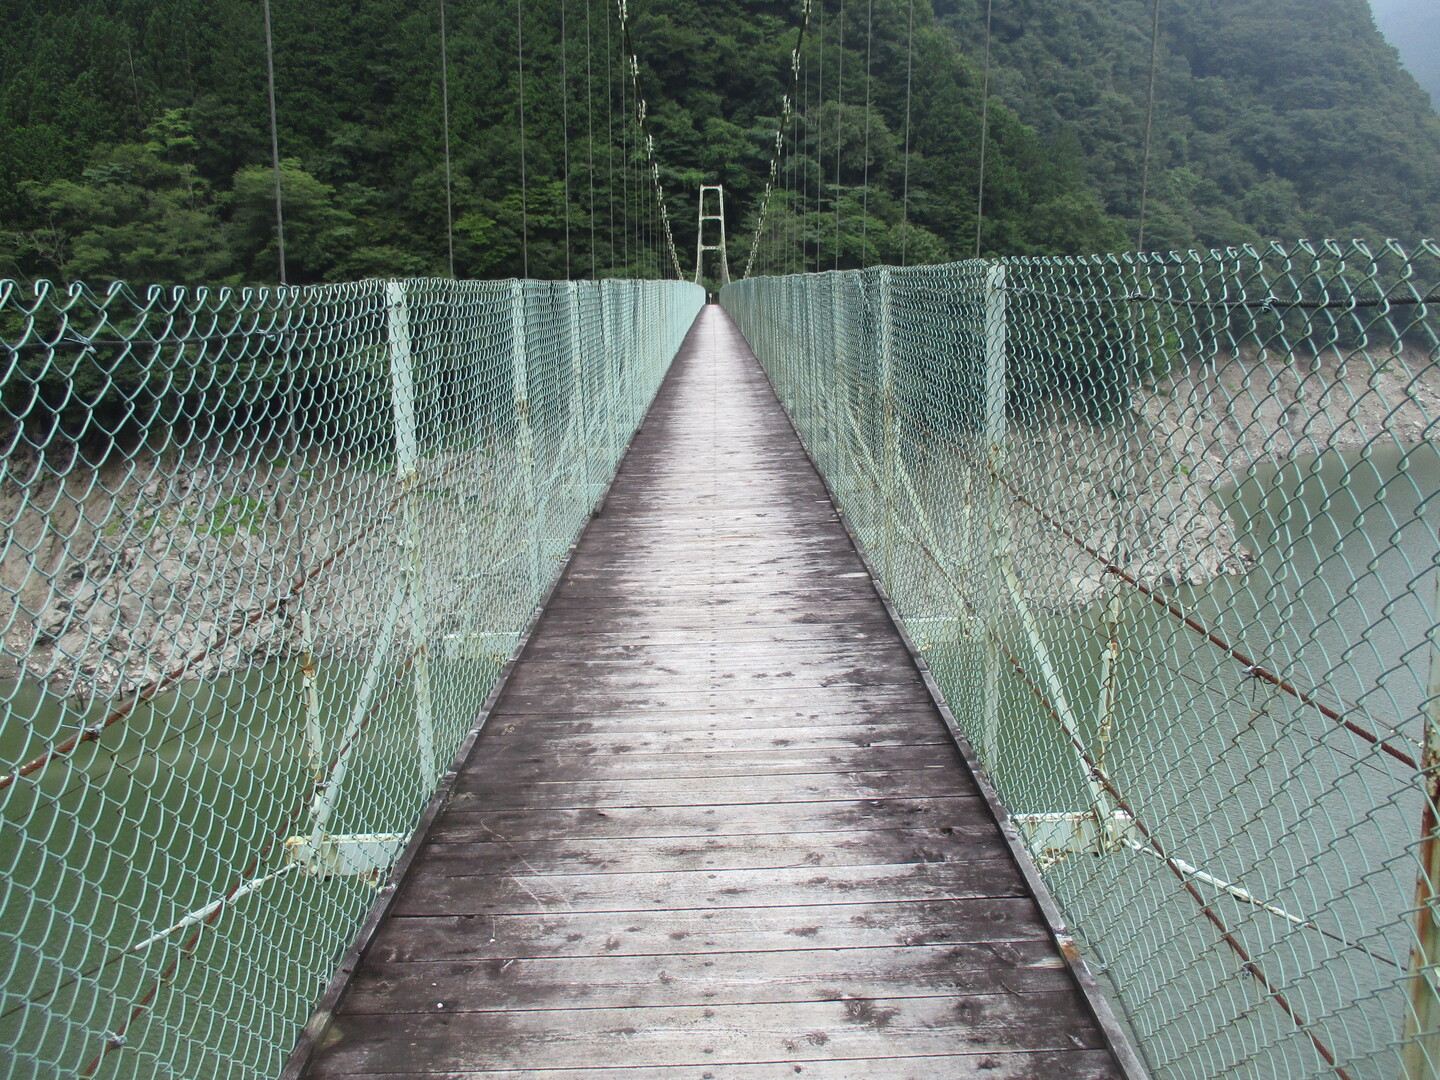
846 688
987 1065
799 635
438 887
465 814
556 737
712 672
485 854
911 717
716 1035
534 760
857 650
581 616
493 792
1024 967
986 921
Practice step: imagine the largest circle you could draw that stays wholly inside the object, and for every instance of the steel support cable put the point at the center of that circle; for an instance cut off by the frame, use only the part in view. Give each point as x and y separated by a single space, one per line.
565 130
865 158
275 145
1251 667
445 116
905 196
647 139
1149 124
803 125
1267 303
610 135
820 128
590 134
524 179
984 130
839 120
152 689
1226 935
1272 303
787 105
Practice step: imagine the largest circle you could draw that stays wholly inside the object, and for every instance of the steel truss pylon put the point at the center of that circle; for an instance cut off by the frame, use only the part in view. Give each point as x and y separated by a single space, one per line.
700 245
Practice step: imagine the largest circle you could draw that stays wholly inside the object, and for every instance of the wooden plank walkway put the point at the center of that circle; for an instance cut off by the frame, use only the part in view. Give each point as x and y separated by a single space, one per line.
715 826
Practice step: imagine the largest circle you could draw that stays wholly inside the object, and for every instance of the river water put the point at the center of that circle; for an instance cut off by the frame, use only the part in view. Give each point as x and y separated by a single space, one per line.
1242 780
1247 782
191 797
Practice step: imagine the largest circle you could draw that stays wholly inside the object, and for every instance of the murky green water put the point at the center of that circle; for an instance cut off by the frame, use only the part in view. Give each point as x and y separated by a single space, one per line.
169 811
194 795
1246 782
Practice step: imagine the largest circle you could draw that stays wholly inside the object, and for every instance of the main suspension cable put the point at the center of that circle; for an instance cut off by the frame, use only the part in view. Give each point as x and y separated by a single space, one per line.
647 140
787 104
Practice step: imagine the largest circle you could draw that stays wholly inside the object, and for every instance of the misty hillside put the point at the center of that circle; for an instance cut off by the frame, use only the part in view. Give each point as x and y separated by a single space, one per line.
1274 118
1413 27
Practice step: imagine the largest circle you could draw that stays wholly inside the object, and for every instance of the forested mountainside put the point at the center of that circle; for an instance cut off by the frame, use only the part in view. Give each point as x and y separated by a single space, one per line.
134 138
1273 118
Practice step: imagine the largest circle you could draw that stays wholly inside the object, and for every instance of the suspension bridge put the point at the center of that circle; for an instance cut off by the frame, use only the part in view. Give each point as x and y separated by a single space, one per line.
1017 667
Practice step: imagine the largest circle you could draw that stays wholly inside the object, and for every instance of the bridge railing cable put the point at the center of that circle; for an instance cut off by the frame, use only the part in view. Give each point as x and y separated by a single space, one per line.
266 551
1166 530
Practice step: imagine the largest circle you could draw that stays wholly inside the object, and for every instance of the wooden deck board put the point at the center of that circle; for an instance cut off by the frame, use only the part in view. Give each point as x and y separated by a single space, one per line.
714 829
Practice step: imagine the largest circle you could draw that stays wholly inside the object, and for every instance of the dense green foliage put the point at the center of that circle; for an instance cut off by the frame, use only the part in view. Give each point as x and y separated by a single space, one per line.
134 138
1274 118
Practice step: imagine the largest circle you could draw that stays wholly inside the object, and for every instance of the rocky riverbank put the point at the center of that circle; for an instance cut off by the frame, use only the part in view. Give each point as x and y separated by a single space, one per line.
121 576
1146 491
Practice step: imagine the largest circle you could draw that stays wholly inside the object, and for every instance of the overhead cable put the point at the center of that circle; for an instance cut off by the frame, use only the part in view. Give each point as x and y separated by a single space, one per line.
787 105
647 141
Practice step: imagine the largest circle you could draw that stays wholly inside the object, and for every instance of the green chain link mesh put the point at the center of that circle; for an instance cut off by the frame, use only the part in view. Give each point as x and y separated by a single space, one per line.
1166 529
265 555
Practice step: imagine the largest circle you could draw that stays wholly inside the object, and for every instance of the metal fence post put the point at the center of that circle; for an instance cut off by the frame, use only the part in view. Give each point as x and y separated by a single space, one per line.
995 435
310 699
1420 1054
524 434
607 348
837 381
412 552
885 317
579 397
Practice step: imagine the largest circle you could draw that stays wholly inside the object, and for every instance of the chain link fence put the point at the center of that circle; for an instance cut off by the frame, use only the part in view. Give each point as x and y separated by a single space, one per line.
265 555
1165 528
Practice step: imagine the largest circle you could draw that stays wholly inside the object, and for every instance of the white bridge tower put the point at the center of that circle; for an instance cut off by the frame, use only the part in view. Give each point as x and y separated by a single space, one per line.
700 245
